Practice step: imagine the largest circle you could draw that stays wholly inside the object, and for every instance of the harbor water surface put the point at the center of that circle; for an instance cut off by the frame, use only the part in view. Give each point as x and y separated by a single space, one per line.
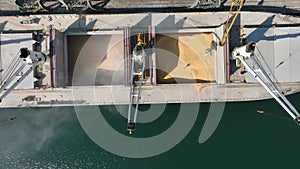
244 138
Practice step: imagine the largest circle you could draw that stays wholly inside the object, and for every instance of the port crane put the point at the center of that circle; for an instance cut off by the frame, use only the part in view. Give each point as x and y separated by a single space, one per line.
27 57
136 80
244 54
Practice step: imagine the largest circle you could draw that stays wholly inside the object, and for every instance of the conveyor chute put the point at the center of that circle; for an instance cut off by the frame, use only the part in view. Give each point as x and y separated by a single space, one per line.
136 81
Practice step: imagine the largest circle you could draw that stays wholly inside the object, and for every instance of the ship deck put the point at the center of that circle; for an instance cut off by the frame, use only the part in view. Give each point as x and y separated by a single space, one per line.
187 63
160 94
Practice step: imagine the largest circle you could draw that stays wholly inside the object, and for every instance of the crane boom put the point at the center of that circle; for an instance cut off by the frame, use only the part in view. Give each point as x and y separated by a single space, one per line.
29 57
137 76
245 53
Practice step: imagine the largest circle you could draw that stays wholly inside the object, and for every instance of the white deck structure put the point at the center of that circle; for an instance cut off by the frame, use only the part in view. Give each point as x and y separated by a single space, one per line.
276 36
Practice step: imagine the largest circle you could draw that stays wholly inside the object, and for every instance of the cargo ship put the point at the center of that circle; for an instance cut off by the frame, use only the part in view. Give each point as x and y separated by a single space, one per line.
148 58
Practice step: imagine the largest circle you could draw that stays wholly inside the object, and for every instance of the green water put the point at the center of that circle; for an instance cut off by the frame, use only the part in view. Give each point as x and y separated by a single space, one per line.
53 138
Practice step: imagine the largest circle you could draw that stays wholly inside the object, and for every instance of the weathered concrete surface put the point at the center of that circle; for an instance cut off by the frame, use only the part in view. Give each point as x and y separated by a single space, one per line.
119 95
9 5
162 21
292 4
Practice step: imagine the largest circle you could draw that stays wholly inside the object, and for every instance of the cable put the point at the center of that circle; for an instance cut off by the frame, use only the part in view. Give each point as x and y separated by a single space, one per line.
11 70
277 116
12 66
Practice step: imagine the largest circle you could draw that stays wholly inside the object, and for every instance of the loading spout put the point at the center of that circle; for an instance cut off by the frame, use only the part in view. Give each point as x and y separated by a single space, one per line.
136 81
246 53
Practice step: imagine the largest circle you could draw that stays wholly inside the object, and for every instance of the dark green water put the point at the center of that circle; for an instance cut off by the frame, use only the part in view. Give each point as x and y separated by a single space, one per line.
53 138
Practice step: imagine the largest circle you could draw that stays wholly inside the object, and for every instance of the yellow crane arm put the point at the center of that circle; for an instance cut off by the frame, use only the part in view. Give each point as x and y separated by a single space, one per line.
235 5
